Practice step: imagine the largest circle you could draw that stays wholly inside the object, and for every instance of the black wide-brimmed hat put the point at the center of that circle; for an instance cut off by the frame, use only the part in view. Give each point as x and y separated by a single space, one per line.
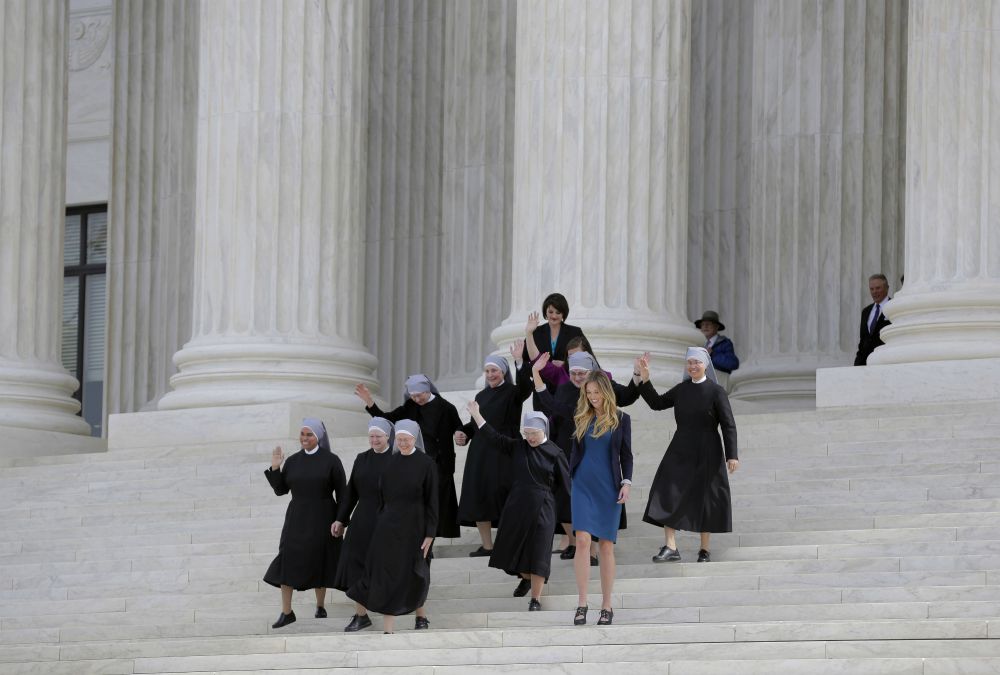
710 316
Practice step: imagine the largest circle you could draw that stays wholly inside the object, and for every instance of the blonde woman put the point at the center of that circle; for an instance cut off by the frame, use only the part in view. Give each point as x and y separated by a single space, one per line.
601 467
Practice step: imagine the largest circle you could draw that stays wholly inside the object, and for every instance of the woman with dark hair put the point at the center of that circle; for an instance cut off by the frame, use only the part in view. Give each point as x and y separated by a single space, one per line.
307 553
359 510
486 480
552 336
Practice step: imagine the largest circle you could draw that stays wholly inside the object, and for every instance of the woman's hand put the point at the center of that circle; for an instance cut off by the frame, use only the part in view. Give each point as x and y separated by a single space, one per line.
517 350
624 493
277 457
540 363
473 409
337 529
532 324
732 465
361 391
461 438
426 546
643 365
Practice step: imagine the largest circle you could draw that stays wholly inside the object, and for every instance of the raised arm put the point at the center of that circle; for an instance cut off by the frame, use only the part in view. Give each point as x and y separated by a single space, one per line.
274 475
504 443
530 348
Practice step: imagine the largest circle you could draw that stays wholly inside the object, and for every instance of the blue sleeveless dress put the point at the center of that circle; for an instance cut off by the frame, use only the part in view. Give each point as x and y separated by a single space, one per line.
595 500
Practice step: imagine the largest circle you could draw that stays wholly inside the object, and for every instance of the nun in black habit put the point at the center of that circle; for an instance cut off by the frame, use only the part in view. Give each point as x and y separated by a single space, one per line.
690 490
540 472
397 572
358 512
486 480
438 420
307 552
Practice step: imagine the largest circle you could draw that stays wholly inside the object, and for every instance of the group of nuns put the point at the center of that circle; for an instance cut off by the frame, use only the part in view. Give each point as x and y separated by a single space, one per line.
565 468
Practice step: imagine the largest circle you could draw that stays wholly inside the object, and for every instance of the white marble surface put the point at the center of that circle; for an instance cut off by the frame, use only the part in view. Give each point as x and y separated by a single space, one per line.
909 383
35 391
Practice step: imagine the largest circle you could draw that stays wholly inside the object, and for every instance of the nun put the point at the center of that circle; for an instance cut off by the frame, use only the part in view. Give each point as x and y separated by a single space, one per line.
486 480
358 512
397 573
539 472
690 490
307 553
438 420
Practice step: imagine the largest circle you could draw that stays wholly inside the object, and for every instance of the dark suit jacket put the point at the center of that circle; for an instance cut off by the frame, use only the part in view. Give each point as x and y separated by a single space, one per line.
543 340
621 451
867 342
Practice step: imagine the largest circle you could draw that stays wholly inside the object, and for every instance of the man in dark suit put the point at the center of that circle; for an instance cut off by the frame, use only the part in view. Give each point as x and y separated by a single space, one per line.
719 346
873 318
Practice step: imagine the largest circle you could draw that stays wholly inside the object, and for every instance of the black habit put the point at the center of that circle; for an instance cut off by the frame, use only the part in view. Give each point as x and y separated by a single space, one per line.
438 420
307 552
690 490
358 511
524 538
487 480
397 577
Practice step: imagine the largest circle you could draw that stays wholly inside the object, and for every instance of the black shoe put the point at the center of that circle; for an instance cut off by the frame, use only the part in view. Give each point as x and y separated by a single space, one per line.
534 606
481 553
320 612
421 623
704 556
581 616
522 588
607 615
358 622
568 553
284 619
594 562
667 554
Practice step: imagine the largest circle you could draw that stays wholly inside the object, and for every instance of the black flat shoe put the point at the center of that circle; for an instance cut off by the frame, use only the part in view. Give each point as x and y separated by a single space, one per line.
568 553
607 615
704 556
422 623
522 588
358 622
534 606
320 612
581 616
594 562
481 553
667 554
284 619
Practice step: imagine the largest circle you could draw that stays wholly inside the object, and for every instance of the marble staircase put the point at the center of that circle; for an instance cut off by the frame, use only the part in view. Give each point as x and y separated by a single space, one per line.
865 540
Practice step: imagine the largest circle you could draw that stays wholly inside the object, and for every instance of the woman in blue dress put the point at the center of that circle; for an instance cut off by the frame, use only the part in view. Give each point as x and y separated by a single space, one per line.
601 467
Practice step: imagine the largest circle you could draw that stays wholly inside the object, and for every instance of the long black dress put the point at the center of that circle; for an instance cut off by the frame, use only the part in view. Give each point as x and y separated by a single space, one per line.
524 538
362 500
487 477
690 490
396 575
307 552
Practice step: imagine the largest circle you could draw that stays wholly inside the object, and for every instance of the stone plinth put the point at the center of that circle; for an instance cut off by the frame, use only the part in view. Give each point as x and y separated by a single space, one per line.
910 383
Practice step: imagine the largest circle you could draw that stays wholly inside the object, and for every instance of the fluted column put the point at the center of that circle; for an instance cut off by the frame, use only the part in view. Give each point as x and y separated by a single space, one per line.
279 264
402 287
827 189
601 174
151 242
719 193
35 390
477 190
949 308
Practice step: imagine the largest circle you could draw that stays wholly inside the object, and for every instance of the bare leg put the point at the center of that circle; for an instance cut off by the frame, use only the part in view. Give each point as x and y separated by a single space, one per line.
360 609
388 623
421 612
537 584
286 599
593 549
486 534
320 597
671 537
607 553
704 540
581 566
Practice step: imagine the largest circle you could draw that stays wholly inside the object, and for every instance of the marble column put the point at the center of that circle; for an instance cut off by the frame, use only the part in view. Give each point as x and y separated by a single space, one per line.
719 192
477 191
949 308
279 221
151 235
402 288
35 391
827 185
601 174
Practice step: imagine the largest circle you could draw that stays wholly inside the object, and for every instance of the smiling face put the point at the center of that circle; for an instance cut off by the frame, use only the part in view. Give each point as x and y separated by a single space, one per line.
405 443
696 369
307 439
553 316
578 377
535 437
422 398
594 396
494 376
378 440
878 289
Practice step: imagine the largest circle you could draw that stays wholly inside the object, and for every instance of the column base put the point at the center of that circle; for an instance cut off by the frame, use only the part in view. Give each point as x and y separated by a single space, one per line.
781 383
19 443
901 384
38 397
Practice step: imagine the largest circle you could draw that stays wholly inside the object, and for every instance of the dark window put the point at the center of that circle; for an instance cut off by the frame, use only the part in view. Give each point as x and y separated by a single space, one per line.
85 261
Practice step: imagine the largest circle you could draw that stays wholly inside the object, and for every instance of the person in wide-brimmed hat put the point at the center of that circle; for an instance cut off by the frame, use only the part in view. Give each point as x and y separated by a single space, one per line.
719 346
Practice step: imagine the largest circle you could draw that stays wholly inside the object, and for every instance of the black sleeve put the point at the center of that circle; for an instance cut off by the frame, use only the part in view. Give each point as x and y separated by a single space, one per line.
523 382
431 500
859 357
550 406
394 416
449 424
346 505
469 429
727 422
657 401
625 395
277 480
338 482
626 451
562 488
505 444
